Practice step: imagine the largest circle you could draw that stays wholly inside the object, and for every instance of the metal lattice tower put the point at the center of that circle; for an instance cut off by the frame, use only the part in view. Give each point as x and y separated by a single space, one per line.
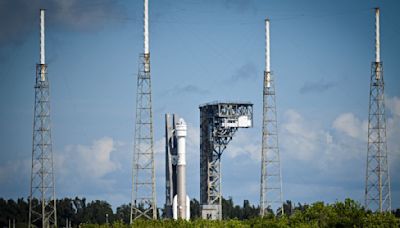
218 124
42 201
143 203
271 179
377 184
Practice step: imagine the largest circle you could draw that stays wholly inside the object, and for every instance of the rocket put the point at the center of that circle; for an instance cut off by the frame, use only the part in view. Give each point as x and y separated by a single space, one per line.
177 203
181 202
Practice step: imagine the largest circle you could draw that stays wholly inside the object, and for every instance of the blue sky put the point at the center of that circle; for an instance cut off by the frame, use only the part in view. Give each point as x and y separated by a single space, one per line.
201 51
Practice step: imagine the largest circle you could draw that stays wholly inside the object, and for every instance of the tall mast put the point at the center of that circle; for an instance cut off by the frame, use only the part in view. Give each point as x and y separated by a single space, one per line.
271 179
143 204
146 27
267 53
42 45
377 180
377 37
42 201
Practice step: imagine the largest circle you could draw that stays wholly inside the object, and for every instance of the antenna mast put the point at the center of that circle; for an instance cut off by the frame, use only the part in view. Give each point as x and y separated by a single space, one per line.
271 179
42 200
377 180
143 203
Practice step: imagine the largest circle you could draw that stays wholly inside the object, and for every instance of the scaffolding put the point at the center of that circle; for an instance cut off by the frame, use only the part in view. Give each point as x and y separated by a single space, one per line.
218 123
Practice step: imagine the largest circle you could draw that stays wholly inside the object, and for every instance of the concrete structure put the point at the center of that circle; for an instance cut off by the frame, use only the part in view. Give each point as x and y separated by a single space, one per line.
218 123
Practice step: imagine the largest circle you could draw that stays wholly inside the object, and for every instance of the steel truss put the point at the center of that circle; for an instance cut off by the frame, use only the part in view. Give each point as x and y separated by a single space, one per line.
218 124
143 203
42 201
377 184
271 178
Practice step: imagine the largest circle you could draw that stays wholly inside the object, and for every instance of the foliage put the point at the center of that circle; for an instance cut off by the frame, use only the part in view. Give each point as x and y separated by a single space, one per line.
92 215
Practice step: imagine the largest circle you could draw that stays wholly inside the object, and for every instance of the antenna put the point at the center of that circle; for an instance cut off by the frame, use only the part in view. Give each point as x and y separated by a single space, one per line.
146 37
267 54
271 178
42 45
42 201
377 37
143 204
146 27
377 180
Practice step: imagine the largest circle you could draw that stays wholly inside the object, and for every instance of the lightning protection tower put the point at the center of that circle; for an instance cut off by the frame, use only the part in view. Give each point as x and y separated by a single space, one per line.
271 179
218 124
42 201
143 203
377 184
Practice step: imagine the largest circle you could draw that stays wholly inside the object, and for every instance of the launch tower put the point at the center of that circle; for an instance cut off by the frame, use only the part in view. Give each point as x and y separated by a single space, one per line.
218 124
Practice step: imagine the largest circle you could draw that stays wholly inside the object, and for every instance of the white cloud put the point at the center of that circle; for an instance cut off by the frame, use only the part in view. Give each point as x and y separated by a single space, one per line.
393 131
88 162
393 104
244 144
324 149
349 124
299 138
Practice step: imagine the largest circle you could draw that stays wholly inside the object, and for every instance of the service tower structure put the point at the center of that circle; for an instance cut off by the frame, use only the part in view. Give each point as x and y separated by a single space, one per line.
42 199
218 123
143 203
377 183
271 178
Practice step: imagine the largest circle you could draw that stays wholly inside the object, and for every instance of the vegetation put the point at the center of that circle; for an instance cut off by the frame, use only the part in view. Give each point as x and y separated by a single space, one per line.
92 215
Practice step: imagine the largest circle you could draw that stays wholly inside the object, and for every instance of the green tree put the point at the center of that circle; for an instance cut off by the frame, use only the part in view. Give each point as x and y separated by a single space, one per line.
80 208
288 208
123 213
227 208
349 213
65 210
380 220
96 212
194 209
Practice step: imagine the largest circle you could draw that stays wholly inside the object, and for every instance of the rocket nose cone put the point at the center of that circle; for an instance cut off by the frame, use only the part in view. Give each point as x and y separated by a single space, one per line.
182 121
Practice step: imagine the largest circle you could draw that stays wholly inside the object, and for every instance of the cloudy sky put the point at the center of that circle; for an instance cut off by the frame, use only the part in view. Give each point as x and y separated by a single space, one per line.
201 51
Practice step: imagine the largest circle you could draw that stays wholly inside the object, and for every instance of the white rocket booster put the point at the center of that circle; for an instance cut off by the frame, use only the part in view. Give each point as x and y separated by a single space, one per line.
181 208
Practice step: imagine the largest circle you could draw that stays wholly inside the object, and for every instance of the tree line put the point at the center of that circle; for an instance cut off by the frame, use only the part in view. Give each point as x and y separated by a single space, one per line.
79 211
